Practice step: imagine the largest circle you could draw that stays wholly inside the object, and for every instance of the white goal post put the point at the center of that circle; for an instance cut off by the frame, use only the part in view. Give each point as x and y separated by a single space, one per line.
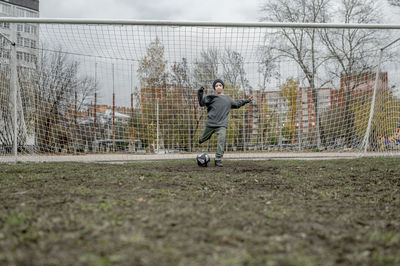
123 87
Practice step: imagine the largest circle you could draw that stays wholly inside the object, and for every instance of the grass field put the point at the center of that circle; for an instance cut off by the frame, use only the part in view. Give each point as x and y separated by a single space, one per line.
336 212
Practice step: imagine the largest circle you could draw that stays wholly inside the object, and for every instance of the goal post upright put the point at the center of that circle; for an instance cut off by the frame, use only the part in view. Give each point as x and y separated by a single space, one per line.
371 114
13 90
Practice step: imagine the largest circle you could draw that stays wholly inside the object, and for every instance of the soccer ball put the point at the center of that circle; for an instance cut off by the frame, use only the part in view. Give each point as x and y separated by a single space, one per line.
203 159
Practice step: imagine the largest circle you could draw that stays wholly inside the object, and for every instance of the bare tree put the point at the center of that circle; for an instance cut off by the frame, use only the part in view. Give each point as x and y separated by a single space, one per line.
153 67
153 76
299 45
46 98
233 69
86 86
395 3
266 66
266 69
180 74
206 68
181 80
59 94
352 52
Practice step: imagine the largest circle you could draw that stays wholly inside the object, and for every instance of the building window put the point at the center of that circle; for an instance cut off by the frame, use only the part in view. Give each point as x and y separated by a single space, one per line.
6 9
19 55
30 14
3 40
19 12
33 29
5 54
5 25
27 42
33 59
19 41
27 28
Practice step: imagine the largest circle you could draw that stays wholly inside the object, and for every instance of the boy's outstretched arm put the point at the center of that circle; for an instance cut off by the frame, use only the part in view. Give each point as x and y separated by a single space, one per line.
240 103
200 94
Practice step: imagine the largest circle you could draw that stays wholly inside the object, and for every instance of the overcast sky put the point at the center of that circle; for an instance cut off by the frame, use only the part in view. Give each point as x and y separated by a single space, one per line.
189 10
176 10
205 10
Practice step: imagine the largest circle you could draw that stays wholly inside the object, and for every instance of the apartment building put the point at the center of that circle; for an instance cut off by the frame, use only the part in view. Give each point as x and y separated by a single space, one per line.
25 35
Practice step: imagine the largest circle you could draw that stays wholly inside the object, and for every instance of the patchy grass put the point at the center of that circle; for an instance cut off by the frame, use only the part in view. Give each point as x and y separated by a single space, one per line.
339 212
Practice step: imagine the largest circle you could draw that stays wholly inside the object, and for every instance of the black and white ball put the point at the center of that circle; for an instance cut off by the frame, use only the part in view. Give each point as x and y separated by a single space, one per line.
203 159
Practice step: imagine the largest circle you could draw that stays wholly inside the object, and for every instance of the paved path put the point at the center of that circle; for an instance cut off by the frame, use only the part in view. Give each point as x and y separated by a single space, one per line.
178 156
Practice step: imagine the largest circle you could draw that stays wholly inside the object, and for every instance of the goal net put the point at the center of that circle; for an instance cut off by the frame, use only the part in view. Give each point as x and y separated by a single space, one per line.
128 88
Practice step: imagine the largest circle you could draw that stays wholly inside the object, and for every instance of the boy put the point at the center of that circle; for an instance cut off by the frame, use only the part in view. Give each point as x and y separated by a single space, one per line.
218 107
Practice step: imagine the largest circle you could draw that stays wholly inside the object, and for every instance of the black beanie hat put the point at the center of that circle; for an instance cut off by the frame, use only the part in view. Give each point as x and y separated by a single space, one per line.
216 81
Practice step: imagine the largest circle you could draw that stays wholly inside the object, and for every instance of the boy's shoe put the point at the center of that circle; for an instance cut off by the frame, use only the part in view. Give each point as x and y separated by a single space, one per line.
218 163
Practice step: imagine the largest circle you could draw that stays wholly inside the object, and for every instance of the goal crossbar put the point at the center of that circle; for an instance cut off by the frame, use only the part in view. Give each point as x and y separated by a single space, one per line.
198 23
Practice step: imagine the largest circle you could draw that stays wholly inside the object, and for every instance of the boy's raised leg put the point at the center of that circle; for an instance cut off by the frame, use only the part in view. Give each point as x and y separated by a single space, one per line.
207 133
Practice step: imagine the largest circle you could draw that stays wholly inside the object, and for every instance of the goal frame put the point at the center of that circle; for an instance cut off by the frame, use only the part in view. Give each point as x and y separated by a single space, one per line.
88 21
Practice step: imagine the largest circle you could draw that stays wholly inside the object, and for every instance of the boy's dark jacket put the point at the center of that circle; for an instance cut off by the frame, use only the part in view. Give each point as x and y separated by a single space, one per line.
218 107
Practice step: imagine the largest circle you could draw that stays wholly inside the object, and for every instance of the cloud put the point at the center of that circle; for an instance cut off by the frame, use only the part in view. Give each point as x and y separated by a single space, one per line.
154 10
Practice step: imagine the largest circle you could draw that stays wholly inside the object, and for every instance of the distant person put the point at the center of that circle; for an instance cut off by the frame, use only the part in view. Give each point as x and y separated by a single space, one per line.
218 108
